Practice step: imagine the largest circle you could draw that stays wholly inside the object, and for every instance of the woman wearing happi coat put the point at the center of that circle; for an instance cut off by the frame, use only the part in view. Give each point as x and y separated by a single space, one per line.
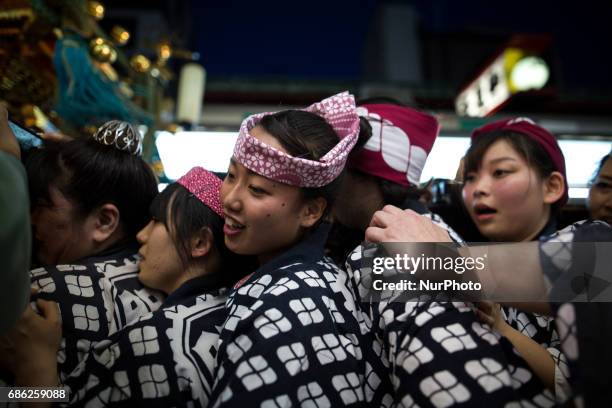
514 185
295 334
166 357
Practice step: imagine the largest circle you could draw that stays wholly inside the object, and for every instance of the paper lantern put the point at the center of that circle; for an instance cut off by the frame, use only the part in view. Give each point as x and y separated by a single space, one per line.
190 93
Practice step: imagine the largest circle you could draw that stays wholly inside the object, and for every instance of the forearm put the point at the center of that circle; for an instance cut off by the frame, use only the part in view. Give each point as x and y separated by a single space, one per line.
512 273
534 354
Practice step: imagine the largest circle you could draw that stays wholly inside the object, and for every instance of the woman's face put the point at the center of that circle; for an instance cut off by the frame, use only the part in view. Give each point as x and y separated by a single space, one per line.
61 235
506 197
263 217
160 267
600 194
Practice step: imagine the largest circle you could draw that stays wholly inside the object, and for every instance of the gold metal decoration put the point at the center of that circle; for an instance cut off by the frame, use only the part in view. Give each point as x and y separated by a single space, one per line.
97 41
95 9
140 63
120 35
25 81
102 50
164 51
15 20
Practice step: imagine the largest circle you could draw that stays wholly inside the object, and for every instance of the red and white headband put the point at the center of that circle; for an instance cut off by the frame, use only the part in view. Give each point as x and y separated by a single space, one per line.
401 139
339 111
535 132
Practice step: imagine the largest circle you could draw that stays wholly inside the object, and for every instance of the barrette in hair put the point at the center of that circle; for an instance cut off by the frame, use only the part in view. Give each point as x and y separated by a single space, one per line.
121 135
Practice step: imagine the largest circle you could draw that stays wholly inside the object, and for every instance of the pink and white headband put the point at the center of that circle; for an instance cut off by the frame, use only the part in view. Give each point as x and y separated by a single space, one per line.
339 111
205 186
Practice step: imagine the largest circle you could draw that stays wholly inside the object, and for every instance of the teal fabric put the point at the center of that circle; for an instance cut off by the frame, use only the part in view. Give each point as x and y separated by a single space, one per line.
85 95
15 241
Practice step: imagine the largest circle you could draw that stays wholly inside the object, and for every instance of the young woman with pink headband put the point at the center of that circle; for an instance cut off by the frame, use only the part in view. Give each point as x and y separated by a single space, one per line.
294 334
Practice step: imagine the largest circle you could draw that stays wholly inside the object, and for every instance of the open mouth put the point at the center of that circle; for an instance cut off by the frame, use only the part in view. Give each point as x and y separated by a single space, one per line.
233 224
482 210
232 227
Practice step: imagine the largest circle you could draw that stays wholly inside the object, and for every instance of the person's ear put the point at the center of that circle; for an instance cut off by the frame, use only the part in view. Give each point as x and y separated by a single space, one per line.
105 222
312 211
201 243
554 187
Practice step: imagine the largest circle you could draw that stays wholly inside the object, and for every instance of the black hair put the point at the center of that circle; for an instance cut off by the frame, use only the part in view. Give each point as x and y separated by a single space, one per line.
309 136
599 167
184 215
91 174
530 150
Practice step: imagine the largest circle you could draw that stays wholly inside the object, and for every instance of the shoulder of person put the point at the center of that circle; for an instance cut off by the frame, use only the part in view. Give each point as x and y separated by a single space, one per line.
582 231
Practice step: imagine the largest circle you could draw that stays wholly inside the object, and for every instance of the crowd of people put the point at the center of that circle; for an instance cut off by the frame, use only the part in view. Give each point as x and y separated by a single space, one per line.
254 290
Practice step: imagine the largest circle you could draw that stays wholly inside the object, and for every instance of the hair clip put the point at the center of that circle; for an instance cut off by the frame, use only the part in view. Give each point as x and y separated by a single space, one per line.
121 135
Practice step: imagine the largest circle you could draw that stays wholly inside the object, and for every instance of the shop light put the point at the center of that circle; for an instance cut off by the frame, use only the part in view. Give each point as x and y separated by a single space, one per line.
514 70
181 151
529 73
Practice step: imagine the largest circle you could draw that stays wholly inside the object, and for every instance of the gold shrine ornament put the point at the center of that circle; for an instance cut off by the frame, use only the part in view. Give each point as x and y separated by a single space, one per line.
95 9
140 63
102 50
120 35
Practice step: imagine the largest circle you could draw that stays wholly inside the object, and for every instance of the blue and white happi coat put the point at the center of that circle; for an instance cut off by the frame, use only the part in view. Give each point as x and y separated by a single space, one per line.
96 297
583 327
166 358
295 336
543 329
438 352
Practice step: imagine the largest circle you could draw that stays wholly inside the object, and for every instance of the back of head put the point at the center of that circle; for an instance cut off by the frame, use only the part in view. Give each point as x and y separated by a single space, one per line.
393 146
